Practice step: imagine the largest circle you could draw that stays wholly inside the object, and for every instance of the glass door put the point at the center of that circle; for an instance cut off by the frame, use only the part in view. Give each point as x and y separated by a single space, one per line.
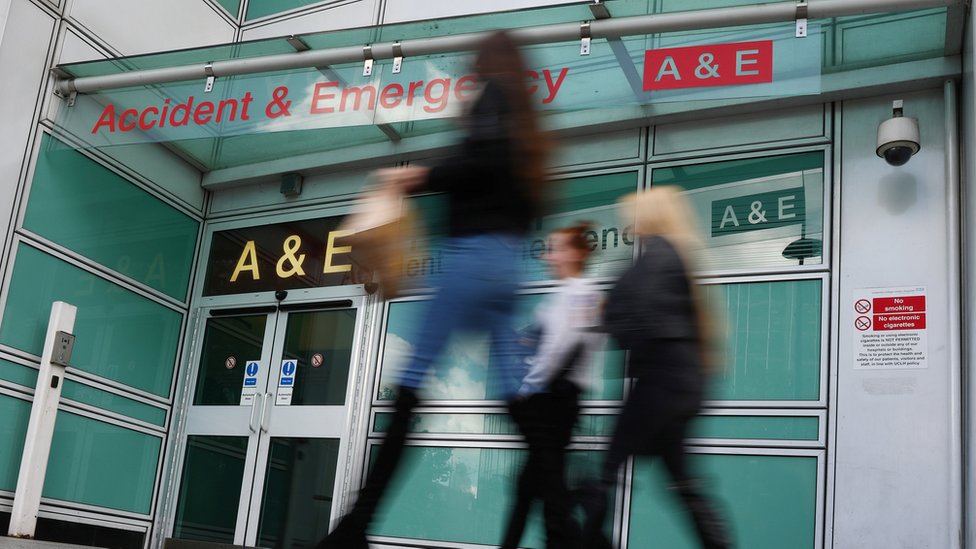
264 430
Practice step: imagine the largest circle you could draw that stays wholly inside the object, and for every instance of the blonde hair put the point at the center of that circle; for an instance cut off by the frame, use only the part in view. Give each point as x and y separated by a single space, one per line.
666 212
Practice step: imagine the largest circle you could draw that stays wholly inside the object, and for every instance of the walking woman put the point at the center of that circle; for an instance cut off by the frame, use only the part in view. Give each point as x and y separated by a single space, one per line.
548 402
494 188
654 312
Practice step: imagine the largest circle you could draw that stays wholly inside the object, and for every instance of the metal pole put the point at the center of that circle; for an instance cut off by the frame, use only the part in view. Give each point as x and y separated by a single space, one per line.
956 488
40 429
545 34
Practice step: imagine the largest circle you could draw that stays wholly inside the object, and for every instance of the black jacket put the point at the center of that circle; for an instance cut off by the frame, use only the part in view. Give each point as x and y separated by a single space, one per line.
650 313
484 191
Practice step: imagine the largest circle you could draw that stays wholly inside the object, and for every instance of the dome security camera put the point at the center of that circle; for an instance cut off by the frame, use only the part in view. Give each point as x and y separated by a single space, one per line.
898 137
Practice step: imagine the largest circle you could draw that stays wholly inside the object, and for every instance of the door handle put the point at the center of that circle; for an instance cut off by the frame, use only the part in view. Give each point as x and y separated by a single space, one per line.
253 420
266 412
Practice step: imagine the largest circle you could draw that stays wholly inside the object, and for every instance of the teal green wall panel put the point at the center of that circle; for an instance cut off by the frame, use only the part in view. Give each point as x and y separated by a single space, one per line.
232 6
774 340
18 373
101 464
463 495
769 502
14 416
118 334
87 208
756 427
261 8
114 403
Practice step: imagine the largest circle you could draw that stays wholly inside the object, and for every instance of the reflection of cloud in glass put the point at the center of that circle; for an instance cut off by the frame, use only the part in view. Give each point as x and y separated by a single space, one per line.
460 371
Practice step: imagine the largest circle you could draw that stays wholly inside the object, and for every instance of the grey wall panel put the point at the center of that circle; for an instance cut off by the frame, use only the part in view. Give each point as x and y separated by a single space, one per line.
144 27
893 440
265 196
800 123
343 16
618 146
23 60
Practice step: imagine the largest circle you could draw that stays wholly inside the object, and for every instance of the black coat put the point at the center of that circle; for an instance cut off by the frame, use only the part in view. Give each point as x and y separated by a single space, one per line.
650 312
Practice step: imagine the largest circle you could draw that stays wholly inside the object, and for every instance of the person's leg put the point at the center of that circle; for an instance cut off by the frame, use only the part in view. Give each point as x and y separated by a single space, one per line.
708 522
526 416
432 335
562 532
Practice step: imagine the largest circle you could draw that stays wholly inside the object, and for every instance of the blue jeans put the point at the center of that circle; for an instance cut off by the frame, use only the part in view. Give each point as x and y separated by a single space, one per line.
475 289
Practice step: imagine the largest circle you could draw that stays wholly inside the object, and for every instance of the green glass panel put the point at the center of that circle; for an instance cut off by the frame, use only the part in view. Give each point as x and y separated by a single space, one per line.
18 373
487 424
298 487
119 335
115 403
101 464
770 502
14 415
756 427
260 8
464 495
210 489
460 373
143 238
228 344
330 335
755 212
774 341
232 6
858 39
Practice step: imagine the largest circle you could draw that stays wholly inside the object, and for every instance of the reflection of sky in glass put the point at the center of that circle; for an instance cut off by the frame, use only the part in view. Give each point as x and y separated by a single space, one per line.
460 373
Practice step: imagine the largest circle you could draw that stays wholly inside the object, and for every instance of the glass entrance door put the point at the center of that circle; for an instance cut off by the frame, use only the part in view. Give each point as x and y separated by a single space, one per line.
264 430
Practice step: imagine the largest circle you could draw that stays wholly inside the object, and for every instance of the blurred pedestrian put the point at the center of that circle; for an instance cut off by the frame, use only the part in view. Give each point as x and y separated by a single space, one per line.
654 312
547 404
494 188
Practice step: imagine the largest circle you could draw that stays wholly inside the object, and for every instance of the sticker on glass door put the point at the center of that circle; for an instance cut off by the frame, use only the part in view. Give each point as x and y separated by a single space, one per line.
286 382
250 386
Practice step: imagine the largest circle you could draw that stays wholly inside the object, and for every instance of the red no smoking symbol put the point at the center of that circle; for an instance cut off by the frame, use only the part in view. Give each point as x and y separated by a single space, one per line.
862 323
862 306
316 360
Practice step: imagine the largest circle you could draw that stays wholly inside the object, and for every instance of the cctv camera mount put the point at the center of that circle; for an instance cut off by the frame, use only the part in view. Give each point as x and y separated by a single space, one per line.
898 137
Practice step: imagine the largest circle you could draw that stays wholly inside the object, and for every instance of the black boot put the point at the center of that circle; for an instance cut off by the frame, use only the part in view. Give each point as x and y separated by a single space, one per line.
708 523
351 531
593 497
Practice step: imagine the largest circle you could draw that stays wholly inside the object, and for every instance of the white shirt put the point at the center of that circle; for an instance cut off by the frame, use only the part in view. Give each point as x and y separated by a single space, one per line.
565 318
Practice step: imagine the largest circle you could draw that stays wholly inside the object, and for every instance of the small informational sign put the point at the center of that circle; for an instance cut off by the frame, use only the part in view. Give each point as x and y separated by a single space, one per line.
230 362
890 328
286 382
317 360
250 385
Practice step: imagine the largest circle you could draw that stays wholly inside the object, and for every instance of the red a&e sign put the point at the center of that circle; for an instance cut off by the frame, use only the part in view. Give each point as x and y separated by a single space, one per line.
713 65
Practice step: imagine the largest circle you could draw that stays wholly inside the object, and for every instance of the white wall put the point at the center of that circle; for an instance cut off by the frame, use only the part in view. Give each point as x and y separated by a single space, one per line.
893 437
132 27
23 63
